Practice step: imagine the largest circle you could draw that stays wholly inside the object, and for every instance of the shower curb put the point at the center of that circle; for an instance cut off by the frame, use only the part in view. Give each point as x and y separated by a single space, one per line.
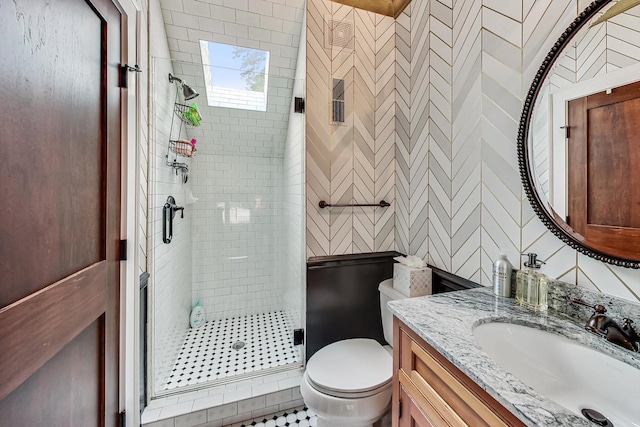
226 414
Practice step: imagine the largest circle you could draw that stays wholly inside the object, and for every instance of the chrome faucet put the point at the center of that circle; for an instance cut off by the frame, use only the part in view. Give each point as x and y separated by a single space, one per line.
600 324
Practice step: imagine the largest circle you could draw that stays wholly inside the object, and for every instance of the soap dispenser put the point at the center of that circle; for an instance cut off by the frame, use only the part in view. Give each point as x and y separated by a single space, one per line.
531 285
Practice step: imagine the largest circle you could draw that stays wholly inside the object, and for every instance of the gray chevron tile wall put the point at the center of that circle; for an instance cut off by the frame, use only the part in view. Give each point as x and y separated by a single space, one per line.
436 97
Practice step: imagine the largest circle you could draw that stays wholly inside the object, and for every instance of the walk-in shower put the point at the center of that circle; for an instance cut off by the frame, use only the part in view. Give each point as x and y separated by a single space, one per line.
239 247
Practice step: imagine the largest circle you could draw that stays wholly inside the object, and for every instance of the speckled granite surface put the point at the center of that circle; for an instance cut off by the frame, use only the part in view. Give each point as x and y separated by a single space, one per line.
446 321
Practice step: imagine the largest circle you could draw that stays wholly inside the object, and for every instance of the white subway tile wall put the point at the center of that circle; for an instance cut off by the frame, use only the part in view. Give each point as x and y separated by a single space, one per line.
236 98
238 245
170 264
294 199
254 24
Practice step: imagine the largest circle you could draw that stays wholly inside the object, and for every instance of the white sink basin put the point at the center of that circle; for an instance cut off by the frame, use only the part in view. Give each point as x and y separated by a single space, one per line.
572 375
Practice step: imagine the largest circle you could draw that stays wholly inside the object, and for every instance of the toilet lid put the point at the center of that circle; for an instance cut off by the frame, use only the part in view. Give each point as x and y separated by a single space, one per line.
350 366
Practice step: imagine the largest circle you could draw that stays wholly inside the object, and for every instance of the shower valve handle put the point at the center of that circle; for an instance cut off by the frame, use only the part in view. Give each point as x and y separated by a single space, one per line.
179 208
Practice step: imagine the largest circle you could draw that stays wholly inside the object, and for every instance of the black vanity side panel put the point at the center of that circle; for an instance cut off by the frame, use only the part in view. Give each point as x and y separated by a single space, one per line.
343 299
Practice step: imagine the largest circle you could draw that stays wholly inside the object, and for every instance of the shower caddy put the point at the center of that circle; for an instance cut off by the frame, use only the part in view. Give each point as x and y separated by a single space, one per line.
181 148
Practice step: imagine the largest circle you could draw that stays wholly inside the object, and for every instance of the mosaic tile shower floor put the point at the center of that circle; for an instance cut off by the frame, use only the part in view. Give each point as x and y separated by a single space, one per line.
228 347
301 417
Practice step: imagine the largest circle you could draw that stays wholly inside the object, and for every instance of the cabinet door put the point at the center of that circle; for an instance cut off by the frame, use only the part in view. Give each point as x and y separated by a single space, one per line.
432 405
435 384
412 416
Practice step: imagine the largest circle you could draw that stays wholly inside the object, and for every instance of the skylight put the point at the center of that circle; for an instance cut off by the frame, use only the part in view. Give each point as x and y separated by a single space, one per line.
235 77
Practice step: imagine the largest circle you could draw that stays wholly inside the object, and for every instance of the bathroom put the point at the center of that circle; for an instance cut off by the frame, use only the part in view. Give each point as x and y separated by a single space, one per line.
431 104
436 98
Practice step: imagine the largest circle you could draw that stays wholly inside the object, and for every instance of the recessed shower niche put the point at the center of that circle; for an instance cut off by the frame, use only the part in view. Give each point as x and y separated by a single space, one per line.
239 247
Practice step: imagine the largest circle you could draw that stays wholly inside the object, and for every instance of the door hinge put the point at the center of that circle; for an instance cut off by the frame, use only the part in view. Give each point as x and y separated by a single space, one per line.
124 72
566 131
123 250
298 336
123 419
400 408
298 105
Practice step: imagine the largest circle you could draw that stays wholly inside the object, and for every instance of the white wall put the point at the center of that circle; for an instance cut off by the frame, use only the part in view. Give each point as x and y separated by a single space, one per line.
237 233
170 281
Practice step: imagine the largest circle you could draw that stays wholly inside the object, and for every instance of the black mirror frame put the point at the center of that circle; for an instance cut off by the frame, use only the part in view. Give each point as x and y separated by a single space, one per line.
526 173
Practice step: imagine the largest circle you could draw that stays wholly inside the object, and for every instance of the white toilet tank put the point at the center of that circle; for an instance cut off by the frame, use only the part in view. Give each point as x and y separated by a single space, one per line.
388 293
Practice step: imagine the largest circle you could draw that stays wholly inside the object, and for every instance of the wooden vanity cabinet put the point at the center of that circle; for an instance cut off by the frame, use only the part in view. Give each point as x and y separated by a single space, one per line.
429 391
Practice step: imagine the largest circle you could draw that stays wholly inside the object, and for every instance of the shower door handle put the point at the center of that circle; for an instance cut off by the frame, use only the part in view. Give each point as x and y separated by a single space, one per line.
167 223
168 214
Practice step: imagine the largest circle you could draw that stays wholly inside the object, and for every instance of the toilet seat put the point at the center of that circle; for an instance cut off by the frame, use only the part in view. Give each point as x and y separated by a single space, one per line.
353 368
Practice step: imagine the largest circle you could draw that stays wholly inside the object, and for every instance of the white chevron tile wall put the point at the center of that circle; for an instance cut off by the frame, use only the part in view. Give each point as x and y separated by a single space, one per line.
501 190
354 161
384 165
402 146
318 132
466 190
541 24
419 126
440 138
444 136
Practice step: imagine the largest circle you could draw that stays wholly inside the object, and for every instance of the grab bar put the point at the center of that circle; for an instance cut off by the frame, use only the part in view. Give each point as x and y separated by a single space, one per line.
382 204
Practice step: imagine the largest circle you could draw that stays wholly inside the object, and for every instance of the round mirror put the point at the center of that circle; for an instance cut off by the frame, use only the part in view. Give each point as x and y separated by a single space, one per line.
579 135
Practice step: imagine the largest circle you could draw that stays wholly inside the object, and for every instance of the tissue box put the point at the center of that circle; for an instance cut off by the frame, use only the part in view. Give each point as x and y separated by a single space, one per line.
412 281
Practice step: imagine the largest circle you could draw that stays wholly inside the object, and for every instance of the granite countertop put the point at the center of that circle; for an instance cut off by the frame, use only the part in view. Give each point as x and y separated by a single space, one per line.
446 321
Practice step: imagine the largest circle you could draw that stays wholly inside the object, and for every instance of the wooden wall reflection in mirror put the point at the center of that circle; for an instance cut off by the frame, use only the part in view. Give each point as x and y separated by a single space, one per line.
579 137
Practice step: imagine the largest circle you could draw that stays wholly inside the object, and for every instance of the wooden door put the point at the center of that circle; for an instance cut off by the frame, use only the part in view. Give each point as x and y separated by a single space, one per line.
604 170
59 212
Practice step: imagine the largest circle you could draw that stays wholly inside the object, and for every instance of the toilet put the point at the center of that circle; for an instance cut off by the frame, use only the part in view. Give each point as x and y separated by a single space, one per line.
348 383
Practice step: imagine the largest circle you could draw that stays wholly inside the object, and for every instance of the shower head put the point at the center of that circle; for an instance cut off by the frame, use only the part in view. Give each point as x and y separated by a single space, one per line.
187 91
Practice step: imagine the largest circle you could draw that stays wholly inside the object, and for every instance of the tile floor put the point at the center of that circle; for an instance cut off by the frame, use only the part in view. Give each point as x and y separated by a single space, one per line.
225 348
299 417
